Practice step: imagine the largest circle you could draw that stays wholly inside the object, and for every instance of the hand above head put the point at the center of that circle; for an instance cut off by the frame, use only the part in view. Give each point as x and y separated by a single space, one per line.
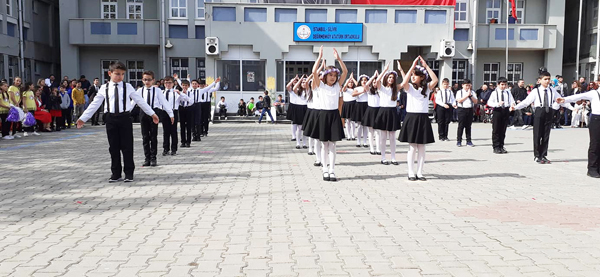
321 51
423 62
218 79
336 55
399 66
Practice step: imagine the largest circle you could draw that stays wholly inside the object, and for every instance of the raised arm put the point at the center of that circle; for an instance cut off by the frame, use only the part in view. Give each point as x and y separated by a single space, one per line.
406 81
434 78
370 82
378 81
400 70
316 69
299 83
347 82
289 85
342 65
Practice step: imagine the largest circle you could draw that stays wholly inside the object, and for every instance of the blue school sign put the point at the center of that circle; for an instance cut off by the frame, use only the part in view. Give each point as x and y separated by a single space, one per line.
332 32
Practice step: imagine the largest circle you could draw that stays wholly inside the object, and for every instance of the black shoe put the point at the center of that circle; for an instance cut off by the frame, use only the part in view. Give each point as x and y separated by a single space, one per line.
538 160
153 163
395 163
298 147
188 145
165 153
293 140
146 163
304 147
332 177
318 164
421 178
182 145
385 162
497 151
173 153
378 153
358 146
365 146
546 161
326 176
114 179
310 153
412 178
503 150
373 153
128 179
593 174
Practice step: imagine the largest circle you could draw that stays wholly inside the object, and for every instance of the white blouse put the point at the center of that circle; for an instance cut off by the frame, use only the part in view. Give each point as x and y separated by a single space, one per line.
415 101
363 96
348 95
301 100
385 97
329 97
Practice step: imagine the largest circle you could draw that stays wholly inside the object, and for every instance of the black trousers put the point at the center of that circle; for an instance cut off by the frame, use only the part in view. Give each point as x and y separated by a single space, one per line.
186 115
119 130
223 112
205 116
499 124
5 124
197 121
594 150
444 116
67 116
96 116
542 124
149 135
465 121
170 131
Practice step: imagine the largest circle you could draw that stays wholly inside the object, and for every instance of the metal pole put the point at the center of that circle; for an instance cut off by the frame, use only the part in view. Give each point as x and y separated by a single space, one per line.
162 33
21 50
578 41
598 46
474 56
507 16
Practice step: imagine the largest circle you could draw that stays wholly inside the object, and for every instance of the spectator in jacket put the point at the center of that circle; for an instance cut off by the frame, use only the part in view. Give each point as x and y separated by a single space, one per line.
519 94
242 108
78 99
93 91
55 111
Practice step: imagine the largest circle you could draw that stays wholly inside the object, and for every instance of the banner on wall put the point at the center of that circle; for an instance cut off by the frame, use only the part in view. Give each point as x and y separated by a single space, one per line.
328 32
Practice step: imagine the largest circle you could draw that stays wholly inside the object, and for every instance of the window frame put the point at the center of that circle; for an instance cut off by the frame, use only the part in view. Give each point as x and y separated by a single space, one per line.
513 80
135 3
136 70
201 68
9 7
179 68
459 12
109 3
456 69
288 9
201 15
435 66
178 8
520 19
493 9
490 72
104 78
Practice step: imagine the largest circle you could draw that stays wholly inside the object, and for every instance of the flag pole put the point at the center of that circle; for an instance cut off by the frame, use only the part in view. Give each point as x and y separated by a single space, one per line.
507 15
578 41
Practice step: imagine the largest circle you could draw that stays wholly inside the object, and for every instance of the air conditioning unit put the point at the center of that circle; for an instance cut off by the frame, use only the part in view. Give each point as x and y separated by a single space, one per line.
447 49
212 46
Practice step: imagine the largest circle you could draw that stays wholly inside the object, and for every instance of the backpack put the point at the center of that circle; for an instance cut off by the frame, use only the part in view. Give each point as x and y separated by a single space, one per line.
65 101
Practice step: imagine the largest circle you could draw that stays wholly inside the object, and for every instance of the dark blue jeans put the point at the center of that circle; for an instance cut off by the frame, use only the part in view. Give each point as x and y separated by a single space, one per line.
265 110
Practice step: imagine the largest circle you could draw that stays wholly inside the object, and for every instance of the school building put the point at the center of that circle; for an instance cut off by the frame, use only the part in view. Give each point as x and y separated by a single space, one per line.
260 44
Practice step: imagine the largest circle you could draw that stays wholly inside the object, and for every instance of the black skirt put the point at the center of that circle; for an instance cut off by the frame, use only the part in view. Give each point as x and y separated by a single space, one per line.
348 109
298 114
330 126
311 123
359 111
290 111
368 119
387 119
417 129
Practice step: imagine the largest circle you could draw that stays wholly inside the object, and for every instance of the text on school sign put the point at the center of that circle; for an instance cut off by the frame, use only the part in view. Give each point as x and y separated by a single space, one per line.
335 32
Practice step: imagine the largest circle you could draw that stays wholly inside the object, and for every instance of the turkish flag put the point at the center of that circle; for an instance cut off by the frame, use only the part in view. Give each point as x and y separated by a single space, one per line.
514 9
407 2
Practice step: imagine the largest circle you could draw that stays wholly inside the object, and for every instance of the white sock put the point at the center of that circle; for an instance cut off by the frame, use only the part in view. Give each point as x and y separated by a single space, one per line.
392 138
317 146
352 130
299 135
365 131
304 138
324 155
421 159
410 159
371 138
310 145
377 135
294 130
332 155
348 131
359 134
382 143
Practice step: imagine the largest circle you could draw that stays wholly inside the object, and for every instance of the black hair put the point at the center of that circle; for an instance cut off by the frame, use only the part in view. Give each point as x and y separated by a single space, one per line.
502 80
201 82
544 74
466 82
423 83
392 86
185 82
117 65
445 80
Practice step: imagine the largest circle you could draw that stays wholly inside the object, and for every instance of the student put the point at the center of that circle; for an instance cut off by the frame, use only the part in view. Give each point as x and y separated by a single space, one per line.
310 124
594 129
92 93
266 108
64 106
222 105
297 111
241 108
196 111
156 100
387 119
444 99
119 128
174 99
186 114
368 120
54 107
417 131
29 105
543 97
501 100
206 93
329 120
250 107
78 97
465 100
68 115
259 106
6 102
279 104
348 106
15 92
361 105
42 116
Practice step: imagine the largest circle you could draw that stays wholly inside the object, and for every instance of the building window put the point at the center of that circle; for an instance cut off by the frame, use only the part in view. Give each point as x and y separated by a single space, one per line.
459 71
230 75
255 15
178 8
345 16
515 72
253 75
135 70
460 11
200 9
9 7
27 70
134 9
25 33
200 32
180 66
406 16
435 66
461 34
315 15
223 14
594 39
528 34
520 11
178 31
490 72
368 68
10 29
285 15
126 28
492 10
375 16
109 9
100 28
13 68
435 17
501 34
105 64
201 65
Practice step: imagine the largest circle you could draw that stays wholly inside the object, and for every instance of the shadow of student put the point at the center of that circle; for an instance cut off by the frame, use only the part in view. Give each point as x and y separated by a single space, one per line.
473 176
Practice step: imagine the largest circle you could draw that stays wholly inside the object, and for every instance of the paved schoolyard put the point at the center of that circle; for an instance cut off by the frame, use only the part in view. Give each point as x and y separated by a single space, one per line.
244 202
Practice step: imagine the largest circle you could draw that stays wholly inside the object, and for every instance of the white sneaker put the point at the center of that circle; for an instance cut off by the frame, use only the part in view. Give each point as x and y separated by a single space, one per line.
225 118
36 133
25 134
16 136
8 137
524 127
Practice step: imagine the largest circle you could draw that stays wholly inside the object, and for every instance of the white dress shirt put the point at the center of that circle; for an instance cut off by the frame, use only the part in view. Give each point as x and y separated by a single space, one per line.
127 95
385 97
444 97
205 93
538 95
593 96
175 99
156 98
468 103
415 101
190 98
497 96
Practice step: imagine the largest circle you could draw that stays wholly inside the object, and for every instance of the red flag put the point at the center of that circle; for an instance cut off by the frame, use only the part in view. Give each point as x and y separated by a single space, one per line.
514 9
